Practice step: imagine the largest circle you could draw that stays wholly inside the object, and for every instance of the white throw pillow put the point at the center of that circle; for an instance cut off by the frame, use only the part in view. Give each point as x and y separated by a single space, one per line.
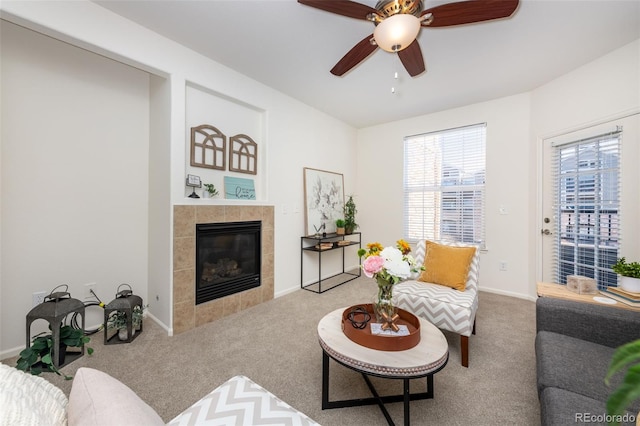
98 399
26 399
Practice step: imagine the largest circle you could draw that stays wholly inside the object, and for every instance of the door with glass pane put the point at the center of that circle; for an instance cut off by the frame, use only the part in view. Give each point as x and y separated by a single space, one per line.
582 201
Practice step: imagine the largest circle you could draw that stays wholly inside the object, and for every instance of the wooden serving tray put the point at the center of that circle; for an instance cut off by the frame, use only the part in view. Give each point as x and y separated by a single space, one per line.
382 342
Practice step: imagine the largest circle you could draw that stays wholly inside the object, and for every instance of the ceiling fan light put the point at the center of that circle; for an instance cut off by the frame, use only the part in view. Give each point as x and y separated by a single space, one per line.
396 32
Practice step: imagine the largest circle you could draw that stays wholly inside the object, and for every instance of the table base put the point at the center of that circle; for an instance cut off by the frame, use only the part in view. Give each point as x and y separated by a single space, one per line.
406 396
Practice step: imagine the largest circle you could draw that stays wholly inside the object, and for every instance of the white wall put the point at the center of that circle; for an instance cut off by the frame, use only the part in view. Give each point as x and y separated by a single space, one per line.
380 171
603 91
597 92
75 147
297 136
159 291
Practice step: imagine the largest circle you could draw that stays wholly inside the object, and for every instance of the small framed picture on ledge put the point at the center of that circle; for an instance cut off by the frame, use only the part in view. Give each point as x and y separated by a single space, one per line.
194 181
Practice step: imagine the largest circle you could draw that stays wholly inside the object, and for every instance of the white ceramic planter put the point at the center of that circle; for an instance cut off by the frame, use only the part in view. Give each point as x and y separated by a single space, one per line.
630 284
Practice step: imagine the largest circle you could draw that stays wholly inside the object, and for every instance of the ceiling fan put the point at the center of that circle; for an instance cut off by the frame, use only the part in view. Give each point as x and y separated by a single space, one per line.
398 23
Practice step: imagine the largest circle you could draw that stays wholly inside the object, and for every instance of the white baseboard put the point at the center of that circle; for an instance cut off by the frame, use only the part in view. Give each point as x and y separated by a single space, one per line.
509 293
162 325
10 353
285 292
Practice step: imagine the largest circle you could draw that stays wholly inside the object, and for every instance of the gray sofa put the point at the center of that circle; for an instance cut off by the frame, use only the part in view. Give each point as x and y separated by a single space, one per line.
574 345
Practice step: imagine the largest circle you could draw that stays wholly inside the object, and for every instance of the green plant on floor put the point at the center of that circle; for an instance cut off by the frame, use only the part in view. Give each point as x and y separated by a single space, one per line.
629 390
118 320
211 189
350 211
138 314
39 356
625 269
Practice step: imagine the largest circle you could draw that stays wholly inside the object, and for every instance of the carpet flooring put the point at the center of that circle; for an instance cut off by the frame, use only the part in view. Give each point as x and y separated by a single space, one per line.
276 345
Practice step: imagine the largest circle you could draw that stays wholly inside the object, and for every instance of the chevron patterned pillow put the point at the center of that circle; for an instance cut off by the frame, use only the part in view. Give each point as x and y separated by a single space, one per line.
240 401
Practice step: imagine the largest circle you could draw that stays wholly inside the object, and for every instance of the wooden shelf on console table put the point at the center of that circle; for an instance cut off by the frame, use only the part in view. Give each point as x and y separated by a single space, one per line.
560 291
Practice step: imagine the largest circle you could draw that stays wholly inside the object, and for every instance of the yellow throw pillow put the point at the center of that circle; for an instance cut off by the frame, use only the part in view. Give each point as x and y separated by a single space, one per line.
447 265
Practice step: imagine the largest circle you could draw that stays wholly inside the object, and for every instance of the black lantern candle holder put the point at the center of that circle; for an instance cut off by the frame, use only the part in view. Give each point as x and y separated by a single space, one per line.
54 309
124 314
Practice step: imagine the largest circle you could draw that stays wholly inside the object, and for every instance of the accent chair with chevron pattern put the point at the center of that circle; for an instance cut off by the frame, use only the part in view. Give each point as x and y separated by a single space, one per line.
445 307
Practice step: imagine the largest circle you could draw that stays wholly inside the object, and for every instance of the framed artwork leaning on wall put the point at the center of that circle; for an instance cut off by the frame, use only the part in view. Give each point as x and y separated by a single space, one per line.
324 200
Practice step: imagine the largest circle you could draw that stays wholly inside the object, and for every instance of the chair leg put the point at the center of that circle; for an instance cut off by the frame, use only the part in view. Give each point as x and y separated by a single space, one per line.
464 346
464 350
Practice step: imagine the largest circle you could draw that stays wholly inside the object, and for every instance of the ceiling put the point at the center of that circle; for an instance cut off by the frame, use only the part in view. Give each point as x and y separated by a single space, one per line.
292 47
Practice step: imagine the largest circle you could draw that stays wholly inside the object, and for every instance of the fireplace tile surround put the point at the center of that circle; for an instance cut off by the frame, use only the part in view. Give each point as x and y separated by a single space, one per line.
186 315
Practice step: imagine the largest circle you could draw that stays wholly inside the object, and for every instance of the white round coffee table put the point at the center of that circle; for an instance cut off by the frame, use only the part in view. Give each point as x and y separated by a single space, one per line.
425 359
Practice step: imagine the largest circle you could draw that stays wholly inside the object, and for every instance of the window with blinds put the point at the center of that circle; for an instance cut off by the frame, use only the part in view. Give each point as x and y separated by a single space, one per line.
586 205
444 185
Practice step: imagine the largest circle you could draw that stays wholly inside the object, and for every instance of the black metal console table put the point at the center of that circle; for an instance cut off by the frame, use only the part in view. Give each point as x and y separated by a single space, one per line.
315 244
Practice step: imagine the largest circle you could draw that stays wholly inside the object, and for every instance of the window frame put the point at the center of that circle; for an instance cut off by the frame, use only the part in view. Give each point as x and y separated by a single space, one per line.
448 204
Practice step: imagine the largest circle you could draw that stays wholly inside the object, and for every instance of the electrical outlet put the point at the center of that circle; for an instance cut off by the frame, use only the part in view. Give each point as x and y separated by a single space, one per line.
87 289
503 265
38 297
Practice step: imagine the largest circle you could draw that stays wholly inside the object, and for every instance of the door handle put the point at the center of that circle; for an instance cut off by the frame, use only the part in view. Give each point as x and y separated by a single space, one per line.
545 232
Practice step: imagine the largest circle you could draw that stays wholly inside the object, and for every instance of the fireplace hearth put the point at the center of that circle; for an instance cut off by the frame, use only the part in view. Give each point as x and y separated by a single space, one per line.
228 258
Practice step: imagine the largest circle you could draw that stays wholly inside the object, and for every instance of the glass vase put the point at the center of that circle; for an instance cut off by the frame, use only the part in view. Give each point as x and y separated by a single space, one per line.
383 302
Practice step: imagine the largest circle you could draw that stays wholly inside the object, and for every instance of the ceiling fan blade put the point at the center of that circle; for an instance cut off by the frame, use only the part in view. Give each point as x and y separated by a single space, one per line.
467 12
357 54
412 59
347 8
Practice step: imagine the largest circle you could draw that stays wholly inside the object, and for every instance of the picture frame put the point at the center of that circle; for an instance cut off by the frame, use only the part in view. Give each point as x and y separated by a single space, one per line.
239 188
324 200
194 181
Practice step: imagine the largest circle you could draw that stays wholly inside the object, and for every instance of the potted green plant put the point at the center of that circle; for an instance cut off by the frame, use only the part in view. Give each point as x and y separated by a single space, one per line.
340 227
118 321
629 274
350 211
138 314
629 390
210 190
39 356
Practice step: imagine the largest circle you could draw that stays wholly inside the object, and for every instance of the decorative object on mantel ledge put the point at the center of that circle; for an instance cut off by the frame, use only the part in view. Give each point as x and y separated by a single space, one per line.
210 190
324 199
209 150
208 147
243 154
194 182
239 188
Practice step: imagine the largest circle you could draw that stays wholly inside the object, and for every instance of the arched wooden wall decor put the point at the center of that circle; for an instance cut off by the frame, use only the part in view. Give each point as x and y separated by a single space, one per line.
243 154
208 147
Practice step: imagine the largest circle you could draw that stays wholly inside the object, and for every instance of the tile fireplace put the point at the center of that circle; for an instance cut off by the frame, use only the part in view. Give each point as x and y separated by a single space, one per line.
187 314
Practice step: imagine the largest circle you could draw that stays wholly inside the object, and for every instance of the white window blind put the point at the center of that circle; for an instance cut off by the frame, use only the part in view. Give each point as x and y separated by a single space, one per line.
587 208
444 185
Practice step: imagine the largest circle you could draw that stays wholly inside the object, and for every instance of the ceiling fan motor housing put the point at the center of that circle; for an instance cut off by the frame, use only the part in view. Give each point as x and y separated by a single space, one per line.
389 8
